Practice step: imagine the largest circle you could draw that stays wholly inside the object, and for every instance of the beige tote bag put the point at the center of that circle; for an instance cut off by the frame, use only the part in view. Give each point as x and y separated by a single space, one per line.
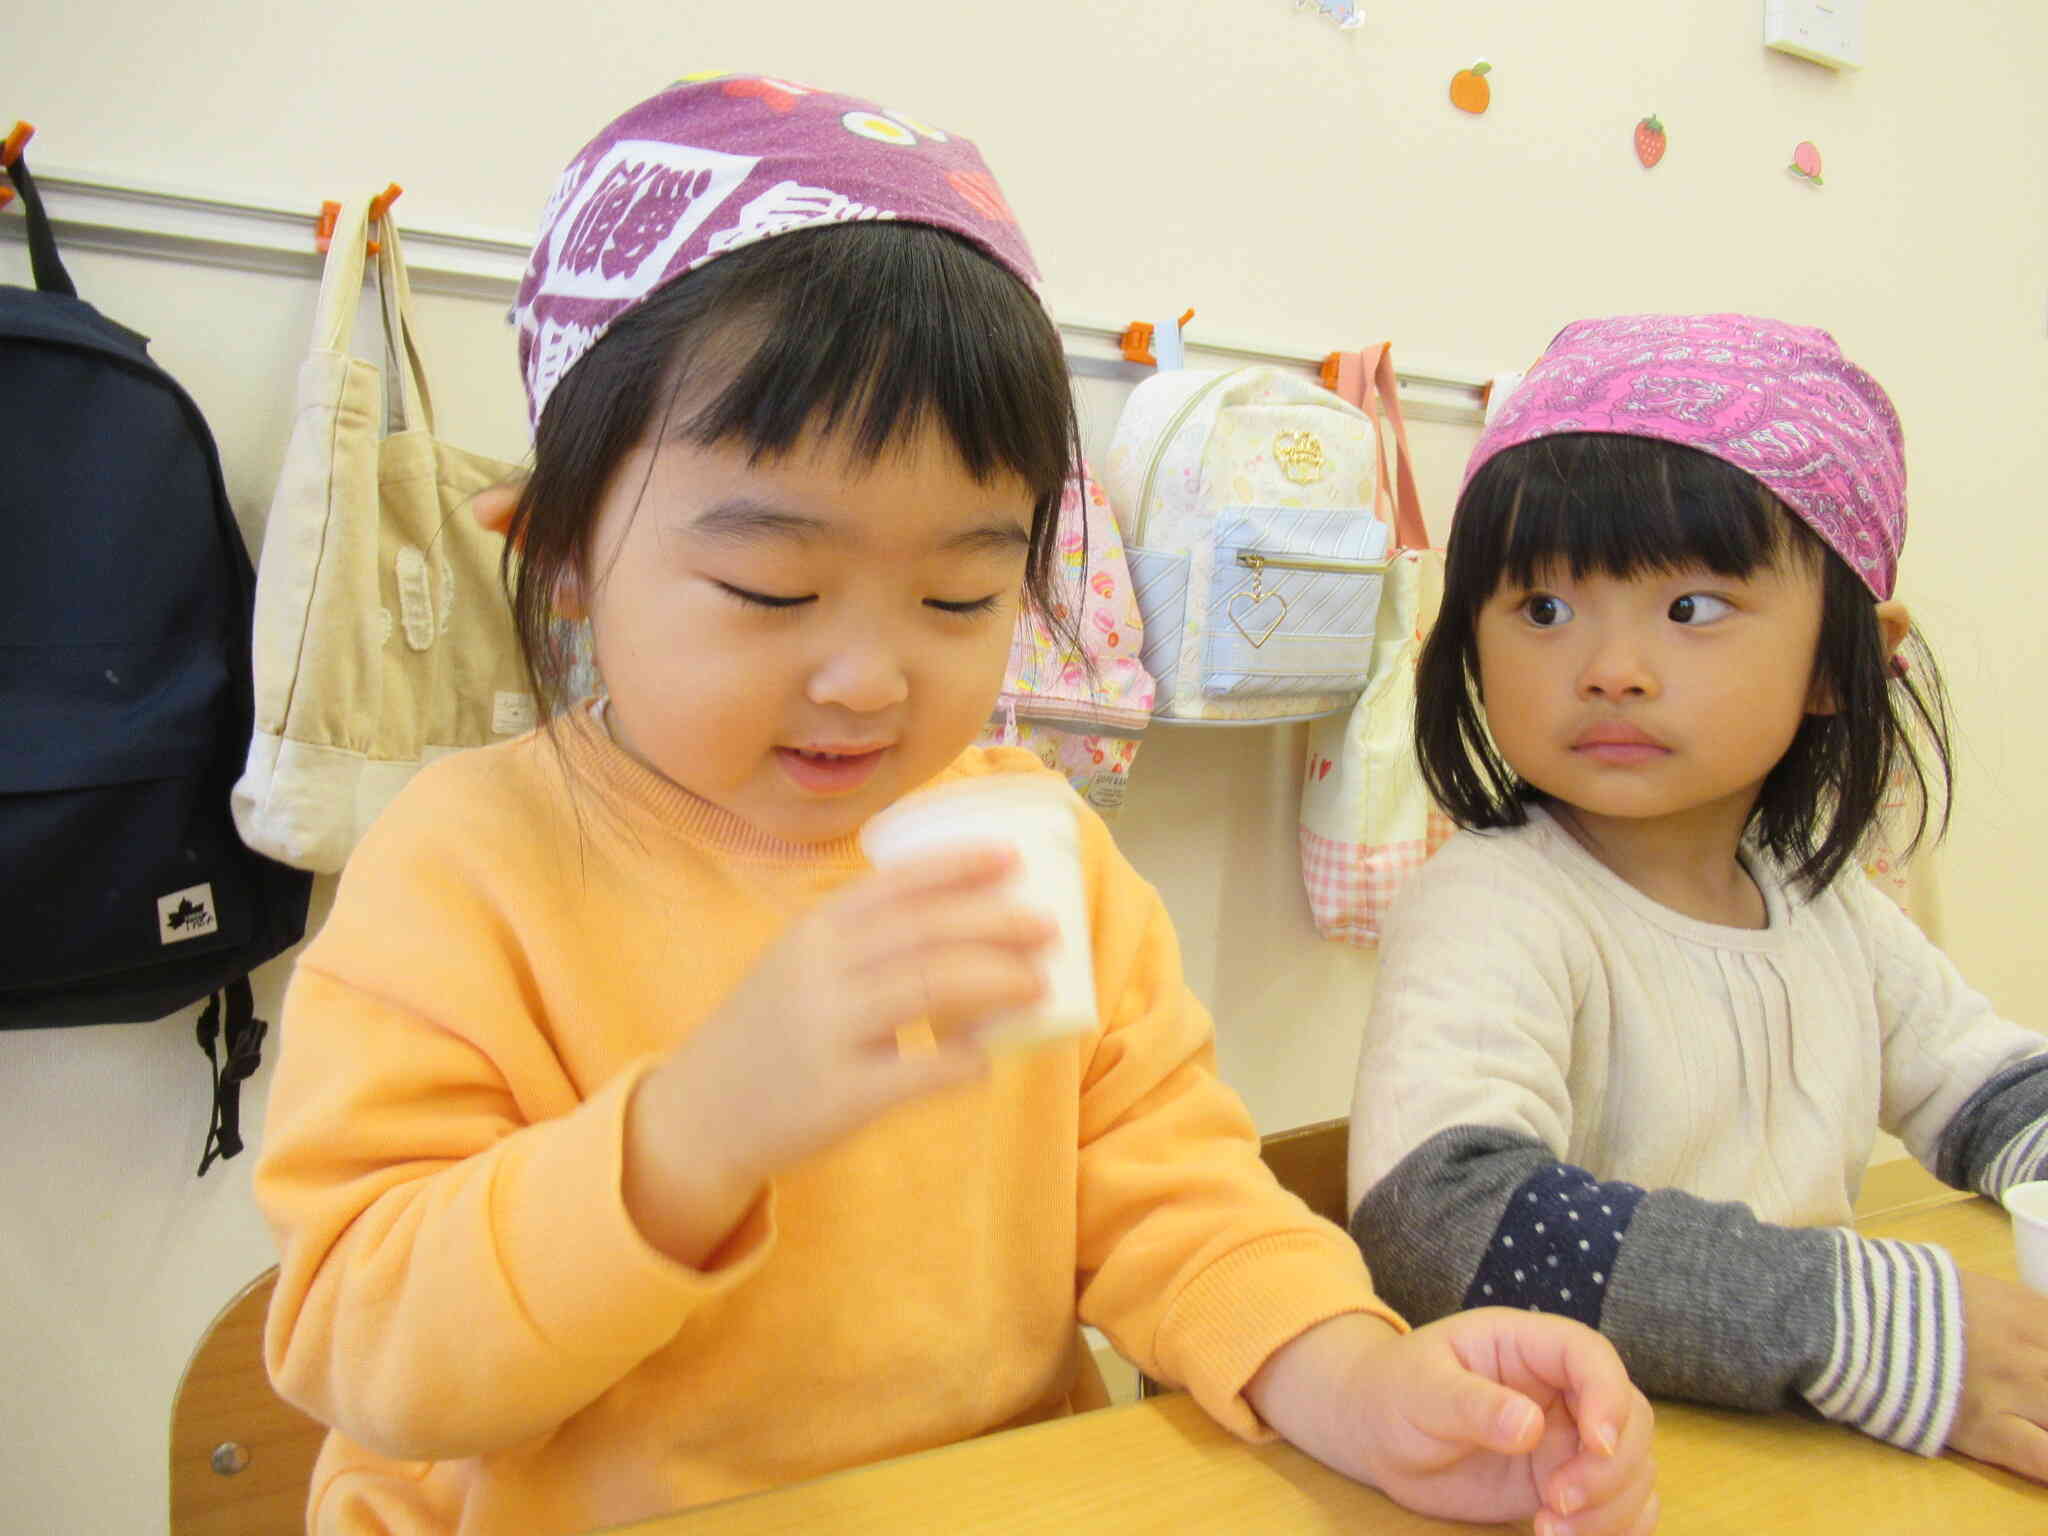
1367 820
383 638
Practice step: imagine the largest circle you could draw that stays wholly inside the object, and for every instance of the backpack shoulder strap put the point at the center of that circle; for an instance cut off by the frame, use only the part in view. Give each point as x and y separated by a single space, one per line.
42 243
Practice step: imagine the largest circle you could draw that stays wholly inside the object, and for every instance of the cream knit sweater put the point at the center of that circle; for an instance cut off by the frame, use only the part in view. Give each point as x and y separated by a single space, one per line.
1554 1063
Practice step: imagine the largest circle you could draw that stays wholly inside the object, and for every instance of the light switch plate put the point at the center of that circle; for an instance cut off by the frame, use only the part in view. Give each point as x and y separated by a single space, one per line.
1827 32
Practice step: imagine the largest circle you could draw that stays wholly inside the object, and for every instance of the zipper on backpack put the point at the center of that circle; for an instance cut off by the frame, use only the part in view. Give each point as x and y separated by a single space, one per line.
1258 560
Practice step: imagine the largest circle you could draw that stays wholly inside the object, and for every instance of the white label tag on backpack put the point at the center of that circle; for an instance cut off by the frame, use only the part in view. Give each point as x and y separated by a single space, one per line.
186 914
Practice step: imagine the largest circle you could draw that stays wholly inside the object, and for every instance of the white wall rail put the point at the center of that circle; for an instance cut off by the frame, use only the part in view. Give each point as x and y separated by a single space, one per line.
95 213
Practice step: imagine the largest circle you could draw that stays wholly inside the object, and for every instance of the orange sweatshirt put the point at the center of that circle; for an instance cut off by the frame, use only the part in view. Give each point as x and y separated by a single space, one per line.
465 1299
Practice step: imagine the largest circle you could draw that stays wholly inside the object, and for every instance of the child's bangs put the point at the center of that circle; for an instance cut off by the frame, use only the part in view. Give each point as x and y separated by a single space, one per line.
923 330
1599 503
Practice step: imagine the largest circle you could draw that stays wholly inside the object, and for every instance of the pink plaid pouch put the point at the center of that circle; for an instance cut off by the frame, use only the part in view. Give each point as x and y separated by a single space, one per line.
1367 820
1085 728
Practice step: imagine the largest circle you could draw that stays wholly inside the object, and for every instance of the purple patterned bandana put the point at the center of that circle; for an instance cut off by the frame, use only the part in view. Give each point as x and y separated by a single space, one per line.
712 164
1777 401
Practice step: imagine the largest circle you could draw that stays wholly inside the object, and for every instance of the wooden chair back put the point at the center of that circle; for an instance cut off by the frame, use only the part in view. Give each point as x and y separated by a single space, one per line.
241 1457
1311 1160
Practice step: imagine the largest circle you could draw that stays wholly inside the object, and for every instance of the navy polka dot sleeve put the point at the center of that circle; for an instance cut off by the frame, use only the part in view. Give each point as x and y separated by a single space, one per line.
1556 1244
1706 1303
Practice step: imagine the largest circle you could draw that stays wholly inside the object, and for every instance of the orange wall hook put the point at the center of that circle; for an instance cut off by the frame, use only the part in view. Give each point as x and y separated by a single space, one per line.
1136 341
323 231
17 141
380 206
6 194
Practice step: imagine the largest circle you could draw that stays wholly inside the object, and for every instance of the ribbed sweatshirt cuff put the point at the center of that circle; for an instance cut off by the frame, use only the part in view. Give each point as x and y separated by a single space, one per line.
2018 1161
1896 1371
1244 1307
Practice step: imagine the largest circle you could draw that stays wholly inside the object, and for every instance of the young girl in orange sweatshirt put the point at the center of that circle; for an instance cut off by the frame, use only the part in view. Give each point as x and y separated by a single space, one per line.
603 1183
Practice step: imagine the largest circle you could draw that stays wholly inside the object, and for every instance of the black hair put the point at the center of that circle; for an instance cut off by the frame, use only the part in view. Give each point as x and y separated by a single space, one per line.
868 330
1620 506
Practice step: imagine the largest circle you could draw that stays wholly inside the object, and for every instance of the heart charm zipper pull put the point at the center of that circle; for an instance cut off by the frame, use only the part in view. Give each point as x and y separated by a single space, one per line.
1251 601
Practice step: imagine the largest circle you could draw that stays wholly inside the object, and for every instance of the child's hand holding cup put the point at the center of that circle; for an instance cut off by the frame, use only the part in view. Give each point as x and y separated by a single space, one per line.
1033 814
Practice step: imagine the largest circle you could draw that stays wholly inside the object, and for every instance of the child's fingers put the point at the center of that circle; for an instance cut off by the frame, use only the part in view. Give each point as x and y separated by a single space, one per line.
1472 1410
1578 1362
1635 1515
1620 1513
2010 1441
911 932
1612 1415
1600 1492
946 987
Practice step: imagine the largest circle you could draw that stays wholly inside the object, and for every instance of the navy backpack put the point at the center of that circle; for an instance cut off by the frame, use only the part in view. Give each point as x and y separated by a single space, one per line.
125 615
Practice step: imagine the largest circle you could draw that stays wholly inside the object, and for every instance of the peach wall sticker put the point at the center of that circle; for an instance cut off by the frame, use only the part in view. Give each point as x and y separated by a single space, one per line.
1806 163
1469 90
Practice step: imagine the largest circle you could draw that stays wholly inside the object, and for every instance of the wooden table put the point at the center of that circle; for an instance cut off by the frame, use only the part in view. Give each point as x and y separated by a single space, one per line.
1164 1465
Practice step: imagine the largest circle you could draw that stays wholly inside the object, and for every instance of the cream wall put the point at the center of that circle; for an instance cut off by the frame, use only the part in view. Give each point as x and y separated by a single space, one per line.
1292 182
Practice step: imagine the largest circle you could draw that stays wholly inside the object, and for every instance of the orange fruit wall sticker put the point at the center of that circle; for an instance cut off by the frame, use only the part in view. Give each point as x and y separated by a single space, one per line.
1469 90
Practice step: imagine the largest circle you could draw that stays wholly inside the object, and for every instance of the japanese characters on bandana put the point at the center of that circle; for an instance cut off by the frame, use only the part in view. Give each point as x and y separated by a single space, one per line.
716 163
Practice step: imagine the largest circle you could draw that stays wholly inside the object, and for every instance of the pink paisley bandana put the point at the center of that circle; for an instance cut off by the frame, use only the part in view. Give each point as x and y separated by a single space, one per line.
710 165
1777 401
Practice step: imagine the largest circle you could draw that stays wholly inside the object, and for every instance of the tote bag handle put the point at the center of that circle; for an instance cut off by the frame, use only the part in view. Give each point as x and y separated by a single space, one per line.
1366 379
341 288
401 332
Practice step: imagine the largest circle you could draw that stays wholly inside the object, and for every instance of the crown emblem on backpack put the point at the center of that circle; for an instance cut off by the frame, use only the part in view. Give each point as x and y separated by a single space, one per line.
1301 456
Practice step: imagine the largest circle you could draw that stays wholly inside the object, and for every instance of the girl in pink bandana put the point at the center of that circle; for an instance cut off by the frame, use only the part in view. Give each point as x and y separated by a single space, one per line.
1635 1029
631 1145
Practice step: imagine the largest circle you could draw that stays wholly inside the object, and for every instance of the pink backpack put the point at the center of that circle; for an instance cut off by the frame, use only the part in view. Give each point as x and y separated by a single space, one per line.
1087 729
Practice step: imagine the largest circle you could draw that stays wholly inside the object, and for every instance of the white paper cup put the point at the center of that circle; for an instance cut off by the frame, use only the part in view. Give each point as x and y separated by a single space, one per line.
1033 814
2028 1204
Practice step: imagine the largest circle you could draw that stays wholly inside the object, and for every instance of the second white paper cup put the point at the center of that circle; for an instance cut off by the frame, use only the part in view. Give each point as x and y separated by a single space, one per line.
1034 815
2028 1204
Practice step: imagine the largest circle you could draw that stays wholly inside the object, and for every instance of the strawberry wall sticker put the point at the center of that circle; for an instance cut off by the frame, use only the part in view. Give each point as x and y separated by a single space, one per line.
1469 89
1651 141
1806 163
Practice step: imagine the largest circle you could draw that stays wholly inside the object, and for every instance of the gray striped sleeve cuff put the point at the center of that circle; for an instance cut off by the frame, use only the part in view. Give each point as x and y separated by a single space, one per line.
2020 1160
1896 1370
1999 1135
